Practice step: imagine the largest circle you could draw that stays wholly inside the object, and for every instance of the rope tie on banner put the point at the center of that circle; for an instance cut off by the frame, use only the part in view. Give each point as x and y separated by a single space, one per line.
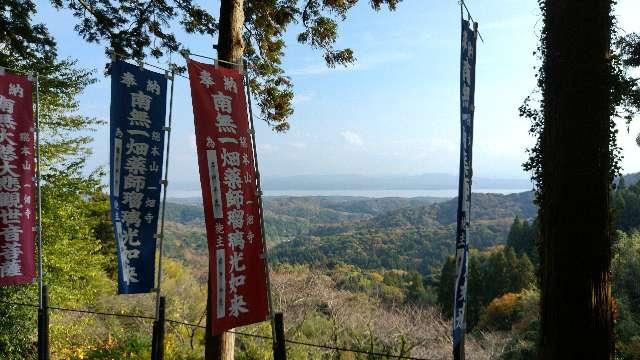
173 66
463 5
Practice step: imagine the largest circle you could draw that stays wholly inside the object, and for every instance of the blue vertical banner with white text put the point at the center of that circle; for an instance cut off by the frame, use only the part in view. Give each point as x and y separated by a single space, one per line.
138 107
467 94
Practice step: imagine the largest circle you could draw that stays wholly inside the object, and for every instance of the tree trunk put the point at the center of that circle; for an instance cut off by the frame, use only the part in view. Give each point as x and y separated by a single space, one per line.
230 30
230 48
575 229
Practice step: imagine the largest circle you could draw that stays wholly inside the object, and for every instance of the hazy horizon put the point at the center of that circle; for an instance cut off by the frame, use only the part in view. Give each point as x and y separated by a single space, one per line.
395 111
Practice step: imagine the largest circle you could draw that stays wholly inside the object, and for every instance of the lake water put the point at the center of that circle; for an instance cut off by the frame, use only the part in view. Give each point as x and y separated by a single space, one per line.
442 193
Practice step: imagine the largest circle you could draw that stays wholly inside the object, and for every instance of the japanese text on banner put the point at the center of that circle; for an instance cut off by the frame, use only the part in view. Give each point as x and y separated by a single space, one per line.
467 92
227 176
138 107
17 188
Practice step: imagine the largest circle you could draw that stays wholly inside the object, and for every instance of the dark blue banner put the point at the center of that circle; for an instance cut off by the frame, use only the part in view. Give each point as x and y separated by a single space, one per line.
467 94
138 107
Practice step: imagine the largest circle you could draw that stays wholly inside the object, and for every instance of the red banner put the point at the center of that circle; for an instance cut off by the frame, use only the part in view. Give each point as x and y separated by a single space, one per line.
237 268
17 190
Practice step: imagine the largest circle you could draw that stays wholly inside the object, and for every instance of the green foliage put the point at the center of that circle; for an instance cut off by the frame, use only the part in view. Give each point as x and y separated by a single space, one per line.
523 236
69 226
492 273
625 99
626 272
626 204
141 29
27 41
184 213
17 340
414 238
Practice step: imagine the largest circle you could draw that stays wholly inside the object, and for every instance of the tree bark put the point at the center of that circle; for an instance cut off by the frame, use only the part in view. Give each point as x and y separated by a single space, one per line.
575 231
230 48
230 41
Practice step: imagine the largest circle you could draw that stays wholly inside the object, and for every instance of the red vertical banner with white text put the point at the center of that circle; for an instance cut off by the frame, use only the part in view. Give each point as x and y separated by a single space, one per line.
17 189
237 263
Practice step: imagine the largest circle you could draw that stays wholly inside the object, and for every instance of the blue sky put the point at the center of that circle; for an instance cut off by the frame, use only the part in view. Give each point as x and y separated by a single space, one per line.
395 111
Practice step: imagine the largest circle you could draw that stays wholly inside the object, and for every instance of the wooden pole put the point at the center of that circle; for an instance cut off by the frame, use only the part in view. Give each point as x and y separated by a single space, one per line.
279 346
230 48
43 326
157 344
220 347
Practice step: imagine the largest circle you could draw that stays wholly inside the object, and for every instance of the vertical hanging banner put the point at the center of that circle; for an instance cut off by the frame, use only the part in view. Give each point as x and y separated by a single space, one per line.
17 187
138 107
237 264
467 94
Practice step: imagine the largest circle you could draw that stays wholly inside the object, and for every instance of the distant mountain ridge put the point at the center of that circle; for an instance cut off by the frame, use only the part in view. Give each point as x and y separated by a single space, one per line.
631 179
430 181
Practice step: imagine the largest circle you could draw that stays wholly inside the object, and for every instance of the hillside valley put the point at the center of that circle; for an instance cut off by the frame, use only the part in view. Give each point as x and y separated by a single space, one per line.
393 233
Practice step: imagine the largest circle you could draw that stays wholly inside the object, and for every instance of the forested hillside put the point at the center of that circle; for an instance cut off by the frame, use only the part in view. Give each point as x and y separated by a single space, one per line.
414 237
365 274
397 233
394 255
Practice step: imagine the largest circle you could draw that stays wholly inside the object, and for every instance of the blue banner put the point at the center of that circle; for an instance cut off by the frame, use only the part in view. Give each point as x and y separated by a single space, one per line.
138 107
467 94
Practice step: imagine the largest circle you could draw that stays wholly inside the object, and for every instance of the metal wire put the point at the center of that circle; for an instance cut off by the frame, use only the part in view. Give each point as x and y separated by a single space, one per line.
294 342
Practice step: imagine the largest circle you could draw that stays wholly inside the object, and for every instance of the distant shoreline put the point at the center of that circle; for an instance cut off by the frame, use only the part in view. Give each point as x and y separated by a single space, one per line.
400 193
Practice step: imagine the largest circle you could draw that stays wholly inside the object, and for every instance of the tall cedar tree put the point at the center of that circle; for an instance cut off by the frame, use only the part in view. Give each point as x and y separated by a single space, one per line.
585 85
575 221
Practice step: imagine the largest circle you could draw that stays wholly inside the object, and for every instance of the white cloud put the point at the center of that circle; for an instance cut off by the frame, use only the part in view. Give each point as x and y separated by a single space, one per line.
364 61
298 145
266 148
352 138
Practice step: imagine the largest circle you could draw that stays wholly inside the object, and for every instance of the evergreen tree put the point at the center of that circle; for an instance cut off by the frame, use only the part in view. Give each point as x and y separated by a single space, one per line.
575 140
522 237
68 231
515 233
492 273
415 291
446 286
580 65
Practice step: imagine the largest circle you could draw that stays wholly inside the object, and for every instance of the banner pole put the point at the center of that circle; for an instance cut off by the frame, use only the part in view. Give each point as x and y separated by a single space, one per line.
164 194
39 200
157 344
259 193
43 298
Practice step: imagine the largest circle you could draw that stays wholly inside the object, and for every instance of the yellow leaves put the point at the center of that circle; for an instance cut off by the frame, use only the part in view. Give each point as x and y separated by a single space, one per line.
500 313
